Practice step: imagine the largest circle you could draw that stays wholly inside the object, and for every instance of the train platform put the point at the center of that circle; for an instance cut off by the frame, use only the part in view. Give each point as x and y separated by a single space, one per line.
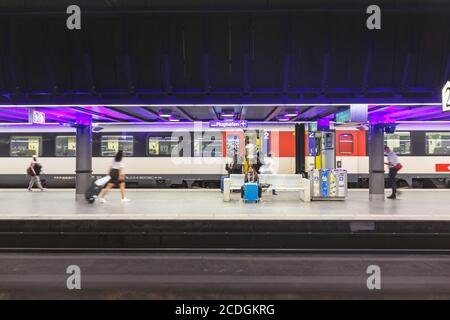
199 219
207 204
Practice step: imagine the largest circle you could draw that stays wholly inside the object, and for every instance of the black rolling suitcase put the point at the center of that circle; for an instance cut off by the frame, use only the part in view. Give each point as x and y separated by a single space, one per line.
44 183
94 190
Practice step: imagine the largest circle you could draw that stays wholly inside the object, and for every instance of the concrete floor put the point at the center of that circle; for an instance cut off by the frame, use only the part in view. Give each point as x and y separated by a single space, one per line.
207 204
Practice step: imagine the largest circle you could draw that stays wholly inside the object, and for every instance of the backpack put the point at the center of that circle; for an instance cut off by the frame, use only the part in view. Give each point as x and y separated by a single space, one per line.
30 171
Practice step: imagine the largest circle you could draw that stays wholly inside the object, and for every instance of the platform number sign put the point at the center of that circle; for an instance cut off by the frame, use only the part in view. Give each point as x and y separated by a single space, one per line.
446 97
38 117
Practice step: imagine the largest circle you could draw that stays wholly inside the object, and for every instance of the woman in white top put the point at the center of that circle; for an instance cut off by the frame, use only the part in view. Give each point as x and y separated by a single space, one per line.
268 168
117 174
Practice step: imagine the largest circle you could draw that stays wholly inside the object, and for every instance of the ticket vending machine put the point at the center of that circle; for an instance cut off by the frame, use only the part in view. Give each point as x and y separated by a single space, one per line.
328 184
324 150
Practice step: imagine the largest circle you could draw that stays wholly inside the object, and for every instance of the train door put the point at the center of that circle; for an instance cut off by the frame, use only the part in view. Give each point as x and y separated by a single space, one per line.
252 147
244 145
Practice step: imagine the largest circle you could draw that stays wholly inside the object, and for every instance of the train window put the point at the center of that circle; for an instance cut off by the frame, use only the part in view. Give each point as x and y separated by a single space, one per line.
438 143
65 146
111 144
165 146
399 142
25 146
209 144
346 143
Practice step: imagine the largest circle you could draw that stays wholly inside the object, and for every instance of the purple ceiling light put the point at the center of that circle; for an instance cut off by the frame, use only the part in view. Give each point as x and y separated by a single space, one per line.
174 118
165 113
283 118
228 114
291 113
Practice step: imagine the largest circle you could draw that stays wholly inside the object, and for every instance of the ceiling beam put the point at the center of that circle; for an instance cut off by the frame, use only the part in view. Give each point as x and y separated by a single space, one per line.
13 115
288 53
324 85
214 113
275 111
301 112
223 6
184 113
430 116
126 55
368 63
243 113
165 57
412 49
156 114
128 112
99 114
326 114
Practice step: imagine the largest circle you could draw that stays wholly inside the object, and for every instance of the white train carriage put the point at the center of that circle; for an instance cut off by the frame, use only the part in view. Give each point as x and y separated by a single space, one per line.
156 155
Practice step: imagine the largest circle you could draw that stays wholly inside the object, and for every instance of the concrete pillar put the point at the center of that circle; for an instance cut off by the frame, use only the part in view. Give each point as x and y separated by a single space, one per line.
376 163
84 155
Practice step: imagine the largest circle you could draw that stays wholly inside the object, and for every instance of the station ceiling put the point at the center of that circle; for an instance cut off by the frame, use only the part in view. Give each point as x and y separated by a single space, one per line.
258 113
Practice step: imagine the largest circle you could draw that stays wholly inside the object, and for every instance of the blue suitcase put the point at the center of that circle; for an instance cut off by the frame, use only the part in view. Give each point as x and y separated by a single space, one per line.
250 192
221 182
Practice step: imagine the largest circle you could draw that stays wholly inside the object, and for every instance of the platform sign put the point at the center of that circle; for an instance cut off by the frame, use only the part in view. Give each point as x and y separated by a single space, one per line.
311 144
446 97
312 127
38 117
355 113
343 116
228 124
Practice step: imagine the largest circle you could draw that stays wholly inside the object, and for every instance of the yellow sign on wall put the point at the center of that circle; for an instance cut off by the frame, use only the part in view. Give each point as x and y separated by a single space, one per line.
153 147
33 145
113 145
71 143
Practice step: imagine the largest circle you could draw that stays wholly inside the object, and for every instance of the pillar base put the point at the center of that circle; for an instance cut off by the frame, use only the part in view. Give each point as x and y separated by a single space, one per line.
376 197
80 197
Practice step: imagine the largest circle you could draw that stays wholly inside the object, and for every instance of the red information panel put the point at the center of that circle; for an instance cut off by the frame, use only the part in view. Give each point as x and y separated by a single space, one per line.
442 167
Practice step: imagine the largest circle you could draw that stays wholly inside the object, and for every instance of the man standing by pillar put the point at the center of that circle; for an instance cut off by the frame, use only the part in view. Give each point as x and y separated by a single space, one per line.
392 163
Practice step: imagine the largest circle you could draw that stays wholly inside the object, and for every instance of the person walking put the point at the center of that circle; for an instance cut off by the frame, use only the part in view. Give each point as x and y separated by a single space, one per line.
394 167
117 175
34 170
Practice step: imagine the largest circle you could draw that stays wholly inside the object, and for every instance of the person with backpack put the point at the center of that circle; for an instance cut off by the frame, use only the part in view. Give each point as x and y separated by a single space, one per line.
394 168
117 174
34 170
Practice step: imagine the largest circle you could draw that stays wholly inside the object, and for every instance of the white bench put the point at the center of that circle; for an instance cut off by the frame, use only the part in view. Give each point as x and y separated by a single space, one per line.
280 182
287 182
234 182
